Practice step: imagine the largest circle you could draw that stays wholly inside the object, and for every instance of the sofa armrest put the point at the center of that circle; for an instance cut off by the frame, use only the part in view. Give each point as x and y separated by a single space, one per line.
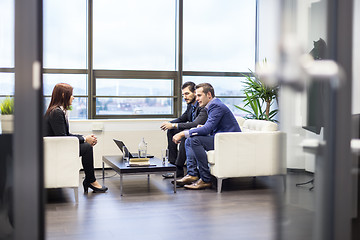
252 153
61 162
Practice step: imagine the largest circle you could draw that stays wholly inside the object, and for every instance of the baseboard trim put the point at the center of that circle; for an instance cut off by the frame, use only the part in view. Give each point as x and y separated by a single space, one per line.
299 170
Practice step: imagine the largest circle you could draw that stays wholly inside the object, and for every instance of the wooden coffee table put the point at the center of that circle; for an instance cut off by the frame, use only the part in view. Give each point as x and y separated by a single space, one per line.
122 168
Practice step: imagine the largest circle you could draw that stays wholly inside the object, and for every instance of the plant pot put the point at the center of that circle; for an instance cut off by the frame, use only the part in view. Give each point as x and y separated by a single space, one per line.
7 123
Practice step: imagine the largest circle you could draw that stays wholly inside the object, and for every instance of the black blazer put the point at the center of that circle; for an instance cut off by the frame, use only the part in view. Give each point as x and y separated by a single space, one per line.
185 121
56 124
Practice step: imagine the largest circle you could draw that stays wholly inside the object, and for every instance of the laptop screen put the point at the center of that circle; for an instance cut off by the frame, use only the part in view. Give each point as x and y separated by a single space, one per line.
122 147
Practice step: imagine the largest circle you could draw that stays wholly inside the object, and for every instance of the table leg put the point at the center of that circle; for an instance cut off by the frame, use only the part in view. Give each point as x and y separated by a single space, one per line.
103 170
148 181
175 182
121 183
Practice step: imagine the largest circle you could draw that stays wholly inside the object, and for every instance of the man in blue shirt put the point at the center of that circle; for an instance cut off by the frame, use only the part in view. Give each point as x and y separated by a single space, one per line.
201 139
193 116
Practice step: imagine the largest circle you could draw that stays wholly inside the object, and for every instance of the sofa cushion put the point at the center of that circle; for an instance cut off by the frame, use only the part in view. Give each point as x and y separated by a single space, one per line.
258 125
211 157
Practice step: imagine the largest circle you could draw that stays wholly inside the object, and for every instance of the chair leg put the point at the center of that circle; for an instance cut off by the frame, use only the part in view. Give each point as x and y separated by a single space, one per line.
76 193
219 185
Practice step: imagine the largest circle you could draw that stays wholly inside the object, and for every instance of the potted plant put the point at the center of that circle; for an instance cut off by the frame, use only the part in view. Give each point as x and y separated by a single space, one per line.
7 111
259 98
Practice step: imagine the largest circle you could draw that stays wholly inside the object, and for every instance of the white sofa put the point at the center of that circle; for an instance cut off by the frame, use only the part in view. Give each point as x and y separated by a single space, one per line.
259 150
62 163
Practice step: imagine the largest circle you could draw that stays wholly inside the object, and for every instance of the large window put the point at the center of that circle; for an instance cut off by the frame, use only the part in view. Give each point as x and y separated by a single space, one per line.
7 33
126 96
7 83
65 44
219 35
134 35
78 82
128 58
7 76
227 89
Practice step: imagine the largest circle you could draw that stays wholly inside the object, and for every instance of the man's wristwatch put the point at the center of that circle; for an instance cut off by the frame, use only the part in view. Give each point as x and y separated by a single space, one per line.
173 125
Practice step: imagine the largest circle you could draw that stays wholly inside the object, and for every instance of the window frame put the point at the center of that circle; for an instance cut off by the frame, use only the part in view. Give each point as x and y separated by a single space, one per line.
133 74
176 75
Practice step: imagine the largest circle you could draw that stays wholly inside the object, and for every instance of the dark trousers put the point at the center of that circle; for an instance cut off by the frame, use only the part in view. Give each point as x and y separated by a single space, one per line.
176 157
197 163
86 152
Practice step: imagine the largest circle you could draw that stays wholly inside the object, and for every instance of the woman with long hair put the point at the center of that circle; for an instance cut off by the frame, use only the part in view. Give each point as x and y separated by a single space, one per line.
57 124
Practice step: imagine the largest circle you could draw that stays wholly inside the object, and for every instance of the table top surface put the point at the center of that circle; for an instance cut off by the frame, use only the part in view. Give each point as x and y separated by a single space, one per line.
156 165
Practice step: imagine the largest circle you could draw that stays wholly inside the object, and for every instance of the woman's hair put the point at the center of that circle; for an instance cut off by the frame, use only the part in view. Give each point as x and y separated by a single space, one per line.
60 97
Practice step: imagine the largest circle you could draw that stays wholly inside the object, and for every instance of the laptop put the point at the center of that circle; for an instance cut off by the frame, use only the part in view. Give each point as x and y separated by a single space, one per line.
122 146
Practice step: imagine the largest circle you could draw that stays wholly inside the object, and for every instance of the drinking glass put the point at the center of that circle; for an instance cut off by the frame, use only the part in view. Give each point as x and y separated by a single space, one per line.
165 155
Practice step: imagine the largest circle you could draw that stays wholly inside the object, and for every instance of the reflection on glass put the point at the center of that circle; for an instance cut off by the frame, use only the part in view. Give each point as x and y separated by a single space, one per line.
7 33
134 87
79 107
65 34
302 115
219 35
77 81
134 106
134 35
7 84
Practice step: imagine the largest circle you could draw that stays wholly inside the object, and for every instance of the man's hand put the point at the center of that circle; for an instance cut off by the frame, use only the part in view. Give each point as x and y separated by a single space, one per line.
166 125
91 139
177 137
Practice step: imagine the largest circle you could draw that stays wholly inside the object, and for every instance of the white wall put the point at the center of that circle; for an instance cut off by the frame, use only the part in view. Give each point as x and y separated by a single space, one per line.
269 30
129 131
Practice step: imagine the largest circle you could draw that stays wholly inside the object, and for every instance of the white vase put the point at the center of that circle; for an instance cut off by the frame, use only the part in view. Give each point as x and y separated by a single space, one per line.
7 123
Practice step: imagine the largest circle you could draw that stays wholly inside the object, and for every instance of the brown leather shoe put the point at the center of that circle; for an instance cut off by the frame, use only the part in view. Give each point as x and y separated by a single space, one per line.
199 184
188 179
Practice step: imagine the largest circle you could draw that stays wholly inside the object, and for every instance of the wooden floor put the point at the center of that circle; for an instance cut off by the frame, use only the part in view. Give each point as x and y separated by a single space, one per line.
245 209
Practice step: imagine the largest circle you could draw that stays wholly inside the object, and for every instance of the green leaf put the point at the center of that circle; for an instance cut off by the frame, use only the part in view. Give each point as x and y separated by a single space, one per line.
7 106
256 95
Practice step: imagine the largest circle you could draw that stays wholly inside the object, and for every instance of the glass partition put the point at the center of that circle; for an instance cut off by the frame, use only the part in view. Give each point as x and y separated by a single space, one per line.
315 114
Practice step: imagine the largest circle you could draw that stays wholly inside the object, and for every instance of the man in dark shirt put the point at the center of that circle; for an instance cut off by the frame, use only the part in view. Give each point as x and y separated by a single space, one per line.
201 139
192 117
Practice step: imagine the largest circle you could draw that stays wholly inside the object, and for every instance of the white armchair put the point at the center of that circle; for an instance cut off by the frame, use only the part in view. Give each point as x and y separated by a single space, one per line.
62 163
259 150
